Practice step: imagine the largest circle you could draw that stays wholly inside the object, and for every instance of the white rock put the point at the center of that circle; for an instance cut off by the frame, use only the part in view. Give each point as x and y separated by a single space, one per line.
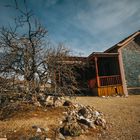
117 96
61 137
60 122
96 113
76 105
47 139
48 98
65 113
81 117
103 96
37 104
92 125
103 120
46 129
38 130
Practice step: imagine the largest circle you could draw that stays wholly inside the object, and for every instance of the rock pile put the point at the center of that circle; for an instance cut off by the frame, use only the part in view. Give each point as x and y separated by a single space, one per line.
80 118
39 99
55 101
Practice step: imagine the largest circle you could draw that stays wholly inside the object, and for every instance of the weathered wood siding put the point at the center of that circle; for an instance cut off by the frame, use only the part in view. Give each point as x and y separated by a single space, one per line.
131 62
110 90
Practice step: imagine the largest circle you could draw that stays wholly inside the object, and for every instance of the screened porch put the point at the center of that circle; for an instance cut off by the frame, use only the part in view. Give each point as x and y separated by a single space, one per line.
105 76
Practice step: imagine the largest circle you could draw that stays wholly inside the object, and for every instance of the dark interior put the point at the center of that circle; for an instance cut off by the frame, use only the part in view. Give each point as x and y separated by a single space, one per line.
108 66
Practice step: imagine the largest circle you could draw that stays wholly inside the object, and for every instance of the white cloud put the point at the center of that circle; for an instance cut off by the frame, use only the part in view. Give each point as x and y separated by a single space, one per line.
108 15
111 22
95 26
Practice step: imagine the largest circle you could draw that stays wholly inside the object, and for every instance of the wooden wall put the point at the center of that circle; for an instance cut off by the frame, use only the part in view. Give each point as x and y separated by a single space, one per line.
110 90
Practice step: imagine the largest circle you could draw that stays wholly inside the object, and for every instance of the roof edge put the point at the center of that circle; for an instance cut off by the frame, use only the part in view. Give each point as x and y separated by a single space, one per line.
129 39
122 43
102 54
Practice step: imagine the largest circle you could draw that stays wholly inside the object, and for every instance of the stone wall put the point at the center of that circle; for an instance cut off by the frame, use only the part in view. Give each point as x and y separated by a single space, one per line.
131 61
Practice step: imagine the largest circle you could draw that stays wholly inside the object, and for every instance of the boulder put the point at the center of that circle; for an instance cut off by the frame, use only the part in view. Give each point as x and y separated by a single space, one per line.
83 112
87 122
100 122
58 103
67 103
71 129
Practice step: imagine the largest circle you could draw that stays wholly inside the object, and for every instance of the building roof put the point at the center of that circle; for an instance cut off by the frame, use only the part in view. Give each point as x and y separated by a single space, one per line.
123 42
73 60
106 53
102 54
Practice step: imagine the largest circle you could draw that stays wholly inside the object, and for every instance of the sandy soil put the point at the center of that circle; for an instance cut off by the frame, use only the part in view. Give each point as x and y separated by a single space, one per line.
122 115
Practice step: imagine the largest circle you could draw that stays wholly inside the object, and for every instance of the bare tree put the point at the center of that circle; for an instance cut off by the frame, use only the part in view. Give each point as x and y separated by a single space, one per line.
61 70
24 54
22 46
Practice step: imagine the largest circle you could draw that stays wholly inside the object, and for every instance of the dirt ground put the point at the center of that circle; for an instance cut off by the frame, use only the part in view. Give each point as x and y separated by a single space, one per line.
19 126
122 115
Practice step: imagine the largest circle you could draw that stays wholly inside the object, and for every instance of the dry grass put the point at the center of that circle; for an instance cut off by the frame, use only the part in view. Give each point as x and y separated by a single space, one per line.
122 115
20 124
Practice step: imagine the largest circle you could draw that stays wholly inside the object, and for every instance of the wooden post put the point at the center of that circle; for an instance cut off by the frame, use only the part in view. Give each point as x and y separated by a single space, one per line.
122 73
97 73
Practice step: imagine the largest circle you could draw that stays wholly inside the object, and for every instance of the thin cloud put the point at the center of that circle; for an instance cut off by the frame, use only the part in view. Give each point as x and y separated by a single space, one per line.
85 25
106 16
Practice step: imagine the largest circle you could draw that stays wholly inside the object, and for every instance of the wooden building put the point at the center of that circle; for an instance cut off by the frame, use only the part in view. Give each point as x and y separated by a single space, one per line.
114 71
129 60
106 77
117 70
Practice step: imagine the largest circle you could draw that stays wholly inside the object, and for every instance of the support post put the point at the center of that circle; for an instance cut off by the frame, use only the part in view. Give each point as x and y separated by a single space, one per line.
97 72
122 73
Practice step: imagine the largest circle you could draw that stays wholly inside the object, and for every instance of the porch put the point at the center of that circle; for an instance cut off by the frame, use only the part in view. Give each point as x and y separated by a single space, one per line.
106 77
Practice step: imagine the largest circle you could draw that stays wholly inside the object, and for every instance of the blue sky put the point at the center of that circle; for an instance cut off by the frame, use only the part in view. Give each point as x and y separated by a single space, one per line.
82 25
